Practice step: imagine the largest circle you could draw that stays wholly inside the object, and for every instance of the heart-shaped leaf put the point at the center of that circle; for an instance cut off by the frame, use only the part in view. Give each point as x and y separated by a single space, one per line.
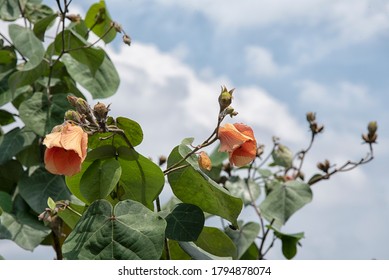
127 231
185 223
283 201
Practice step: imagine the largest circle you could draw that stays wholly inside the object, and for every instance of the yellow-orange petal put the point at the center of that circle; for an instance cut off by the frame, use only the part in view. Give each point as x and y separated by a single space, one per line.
53 140
74 138
245 130
231 138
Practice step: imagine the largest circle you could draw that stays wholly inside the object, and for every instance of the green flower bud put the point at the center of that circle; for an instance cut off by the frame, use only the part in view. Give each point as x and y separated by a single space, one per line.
82 106
372 127
72 115
225 98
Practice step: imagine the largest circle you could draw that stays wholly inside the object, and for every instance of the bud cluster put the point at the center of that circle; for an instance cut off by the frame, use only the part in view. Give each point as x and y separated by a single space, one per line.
119 29
313 125
372 135
92 120
324 166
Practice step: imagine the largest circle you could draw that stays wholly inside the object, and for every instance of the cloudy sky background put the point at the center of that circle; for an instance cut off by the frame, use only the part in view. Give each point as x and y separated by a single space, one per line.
284 58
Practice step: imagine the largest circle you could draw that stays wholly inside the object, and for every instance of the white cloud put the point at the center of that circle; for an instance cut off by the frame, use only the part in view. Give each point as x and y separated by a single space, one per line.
368 17
314 28
171 101
260 62
341 96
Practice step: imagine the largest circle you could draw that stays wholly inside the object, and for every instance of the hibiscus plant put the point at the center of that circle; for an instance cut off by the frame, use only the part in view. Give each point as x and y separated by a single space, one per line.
71 176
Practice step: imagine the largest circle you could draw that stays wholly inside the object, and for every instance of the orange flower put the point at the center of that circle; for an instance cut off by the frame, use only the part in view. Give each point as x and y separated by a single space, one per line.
66 149
239 141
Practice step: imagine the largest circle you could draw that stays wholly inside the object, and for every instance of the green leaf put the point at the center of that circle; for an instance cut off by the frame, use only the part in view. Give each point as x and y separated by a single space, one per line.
271 185
5 202
24 229
142 180
315 178
199 254
185 223
7 56
41 26
36 12
265 173
284 201
99 21
193 187
13 142
251 253
51 203
41 185
101 84
102 152
41 115
243 237
10 173
100 179
27 44
6 117
31 155
289 243
78 48
217 157
9 10
216 242
21 79
128 231
249 191
175 252
132 130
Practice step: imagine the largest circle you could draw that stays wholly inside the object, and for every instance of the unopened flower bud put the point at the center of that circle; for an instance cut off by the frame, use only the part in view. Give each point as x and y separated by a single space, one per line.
162 160
311 116
117 26
72 115
231 111
82 106
372 127
72 100
204 161
260 150
127 39
225 98
100 111
371 137
324 166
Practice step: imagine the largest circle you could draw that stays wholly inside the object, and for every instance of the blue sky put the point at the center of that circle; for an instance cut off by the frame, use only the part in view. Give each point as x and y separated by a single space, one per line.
284 58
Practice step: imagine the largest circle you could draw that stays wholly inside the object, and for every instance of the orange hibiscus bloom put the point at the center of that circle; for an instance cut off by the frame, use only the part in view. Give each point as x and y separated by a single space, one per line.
239 141
66 149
